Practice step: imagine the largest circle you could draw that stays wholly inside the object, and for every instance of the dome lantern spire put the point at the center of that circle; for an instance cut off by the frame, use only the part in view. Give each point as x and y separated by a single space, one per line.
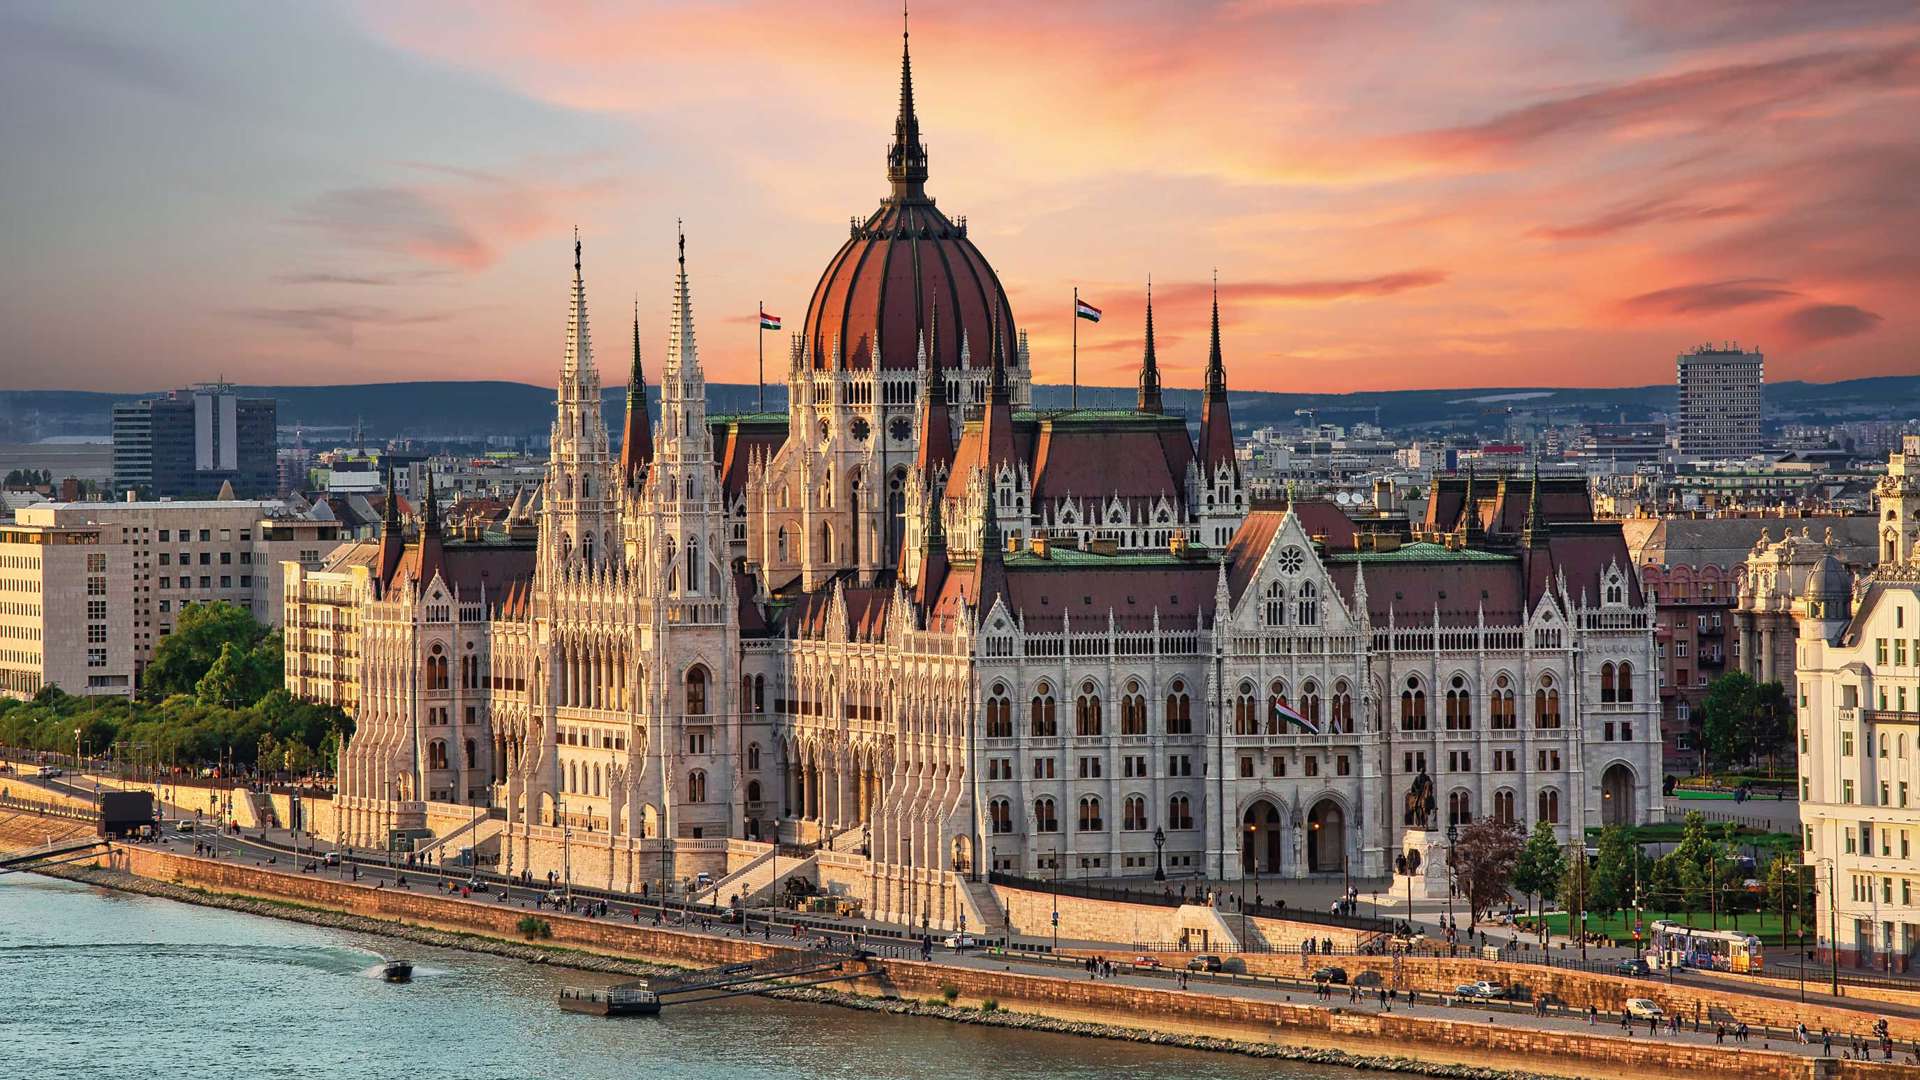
1150 397
907 158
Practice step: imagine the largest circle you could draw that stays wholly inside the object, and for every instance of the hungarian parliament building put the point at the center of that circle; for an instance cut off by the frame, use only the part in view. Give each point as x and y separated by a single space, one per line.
915 630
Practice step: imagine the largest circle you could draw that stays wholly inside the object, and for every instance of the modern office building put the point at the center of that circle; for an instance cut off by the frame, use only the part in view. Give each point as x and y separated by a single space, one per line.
188 443
1720 401
87 589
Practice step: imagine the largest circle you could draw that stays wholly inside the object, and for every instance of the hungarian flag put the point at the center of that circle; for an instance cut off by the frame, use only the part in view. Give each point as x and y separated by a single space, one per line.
1084 310
1282 712
769 322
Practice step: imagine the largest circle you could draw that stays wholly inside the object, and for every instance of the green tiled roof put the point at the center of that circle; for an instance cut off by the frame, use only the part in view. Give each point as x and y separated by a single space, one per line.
747 418
1420 552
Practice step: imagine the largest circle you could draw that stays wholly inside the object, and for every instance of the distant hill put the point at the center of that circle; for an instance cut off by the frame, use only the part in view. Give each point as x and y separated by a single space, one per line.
516 410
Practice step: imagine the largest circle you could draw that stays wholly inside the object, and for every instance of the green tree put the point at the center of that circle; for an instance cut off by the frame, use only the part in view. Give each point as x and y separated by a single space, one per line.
1576 885
1539 867
1483 862
1744 719
202 631
1612 879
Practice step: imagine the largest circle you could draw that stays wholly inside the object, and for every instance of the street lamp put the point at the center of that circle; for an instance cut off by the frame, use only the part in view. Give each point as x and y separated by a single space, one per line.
1159 849
773 886
1453 836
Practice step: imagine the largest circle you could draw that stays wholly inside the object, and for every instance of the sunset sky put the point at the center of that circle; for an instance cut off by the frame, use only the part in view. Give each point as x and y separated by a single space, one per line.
1394 194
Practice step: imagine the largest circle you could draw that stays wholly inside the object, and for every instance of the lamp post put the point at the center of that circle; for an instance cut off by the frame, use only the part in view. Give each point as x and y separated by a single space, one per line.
1453 836
773 886
1253 850
1159 849
1833 927
566 850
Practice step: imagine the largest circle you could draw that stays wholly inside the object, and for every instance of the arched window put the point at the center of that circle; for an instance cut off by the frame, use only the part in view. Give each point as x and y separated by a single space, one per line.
697 786
1246 715
1500 711
1625 686
1342 708
1179 709
1276 604
473 759
780 543
753 791
1546 704
1133 710
436 755
1000 816
1413 706
1310 703
1606 683
999 713
1133 813
1503 806
1179 812
697 691
437 668
1460 807
596 778
1041 717
693 564
753 757
1549 806
1090 814
1459 705
1086 710
1045 819
1307 606
1276 702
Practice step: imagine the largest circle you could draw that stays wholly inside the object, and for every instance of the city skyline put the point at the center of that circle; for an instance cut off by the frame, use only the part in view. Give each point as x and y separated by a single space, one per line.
1395 196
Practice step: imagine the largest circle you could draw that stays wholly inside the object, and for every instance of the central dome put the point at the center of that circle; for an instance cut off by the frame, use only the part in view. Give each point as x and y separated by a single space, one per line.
903 260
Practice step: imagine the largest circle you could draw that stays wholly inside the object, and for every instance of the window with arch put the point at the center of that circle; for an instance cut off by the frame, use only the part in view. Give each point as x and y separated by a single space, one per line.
1179 709
1277 707
437 678
693 564
759 693
1042 718
697 786
1625 686
1000 816
1459 704
1246 711
596 778
1045 817
697 690
1133 813
999 713
436 754
780 544
1501 715
1549 806
1546 704
1459 807
1615 590
753 756
1310 703
1086 710
1342 718
1306 606
1413 705
1276 604
1133 710
1090 814
1179 812
753 791
1503 806
473 757
1607 696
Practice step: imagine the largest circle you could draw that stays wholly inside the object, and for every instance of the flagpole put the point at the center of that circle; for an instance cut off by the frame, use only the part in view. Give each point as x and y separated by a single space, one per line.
1076 347
760 339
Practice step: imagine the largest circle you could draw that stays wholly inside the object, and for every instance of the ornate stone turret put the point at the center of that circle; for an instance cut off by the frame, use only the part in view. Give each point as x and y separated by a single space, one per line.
578 522
636 444
1150 401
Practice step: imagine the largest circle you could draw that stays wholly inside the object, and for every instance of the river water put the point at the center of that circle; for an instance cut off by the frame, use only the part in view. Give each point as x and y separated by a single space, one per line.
95 983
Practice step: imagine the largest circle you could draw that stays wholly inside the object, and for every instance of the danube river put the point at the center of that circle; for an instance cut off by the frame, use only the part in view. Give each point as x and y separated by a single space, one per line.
102 984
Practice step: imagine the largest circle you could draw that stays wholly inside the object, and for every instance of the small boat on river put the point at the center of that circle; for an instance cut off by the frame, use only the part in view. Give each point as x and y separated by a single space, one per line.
397 971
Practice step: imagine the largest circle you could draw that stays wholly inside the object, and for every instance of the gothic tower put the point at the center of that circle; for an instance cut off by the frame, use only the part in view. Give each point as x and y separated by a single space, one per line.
577 505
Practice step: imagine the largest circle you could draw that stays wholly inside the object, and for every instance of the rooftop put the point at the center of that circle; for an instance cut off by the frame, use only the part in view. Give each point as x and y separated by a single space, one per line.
1420 552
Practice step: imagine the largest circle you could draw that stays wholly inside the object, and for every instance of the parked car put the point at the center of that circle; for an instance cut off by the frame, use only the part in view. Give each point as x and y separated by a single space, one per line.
1146 961
183 825
474 884
1634 966
1480 991
53 771
961 941
1642 1009
1368 978
1208 962
1331 975
331 858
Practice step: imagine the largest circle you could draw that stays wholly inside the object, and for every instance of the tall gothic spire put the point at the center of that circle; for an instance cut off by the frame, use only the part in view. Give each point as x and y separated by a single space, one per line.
681 353
1216 423
579 355
636 445
393 541
1150 400
936 426
906 158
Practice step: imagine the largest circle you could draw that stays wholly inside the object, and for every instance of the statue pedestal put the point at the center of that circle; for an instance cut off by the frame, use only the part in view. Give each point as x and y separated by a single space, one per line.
1430 879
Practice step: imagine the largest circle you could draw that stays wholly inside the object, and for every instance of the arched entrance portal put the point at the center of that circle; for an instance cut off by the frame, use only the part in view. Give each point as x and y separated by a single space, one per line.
1260 839
1616 795
1326 838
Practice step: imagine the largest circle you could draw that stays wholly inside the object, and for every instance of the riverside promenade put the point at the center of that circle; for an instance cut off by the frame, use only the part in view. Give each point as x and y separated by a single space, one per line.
1149 1004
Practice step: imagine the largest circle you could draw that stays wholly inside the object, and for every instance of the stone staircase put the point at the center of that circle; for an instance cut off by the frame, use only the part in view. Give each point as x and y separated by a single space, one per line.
426 852
985 916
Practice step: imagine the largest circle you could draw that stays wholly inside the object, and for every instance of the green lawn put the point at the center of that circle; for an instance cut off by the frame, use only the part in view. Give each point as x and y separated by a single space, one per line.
1619 927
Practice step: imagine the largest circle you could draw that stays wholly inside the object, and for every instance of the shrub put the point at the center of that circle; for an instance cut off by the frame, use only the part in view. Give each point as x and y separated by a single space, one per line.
531 927
949 992
989 1005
